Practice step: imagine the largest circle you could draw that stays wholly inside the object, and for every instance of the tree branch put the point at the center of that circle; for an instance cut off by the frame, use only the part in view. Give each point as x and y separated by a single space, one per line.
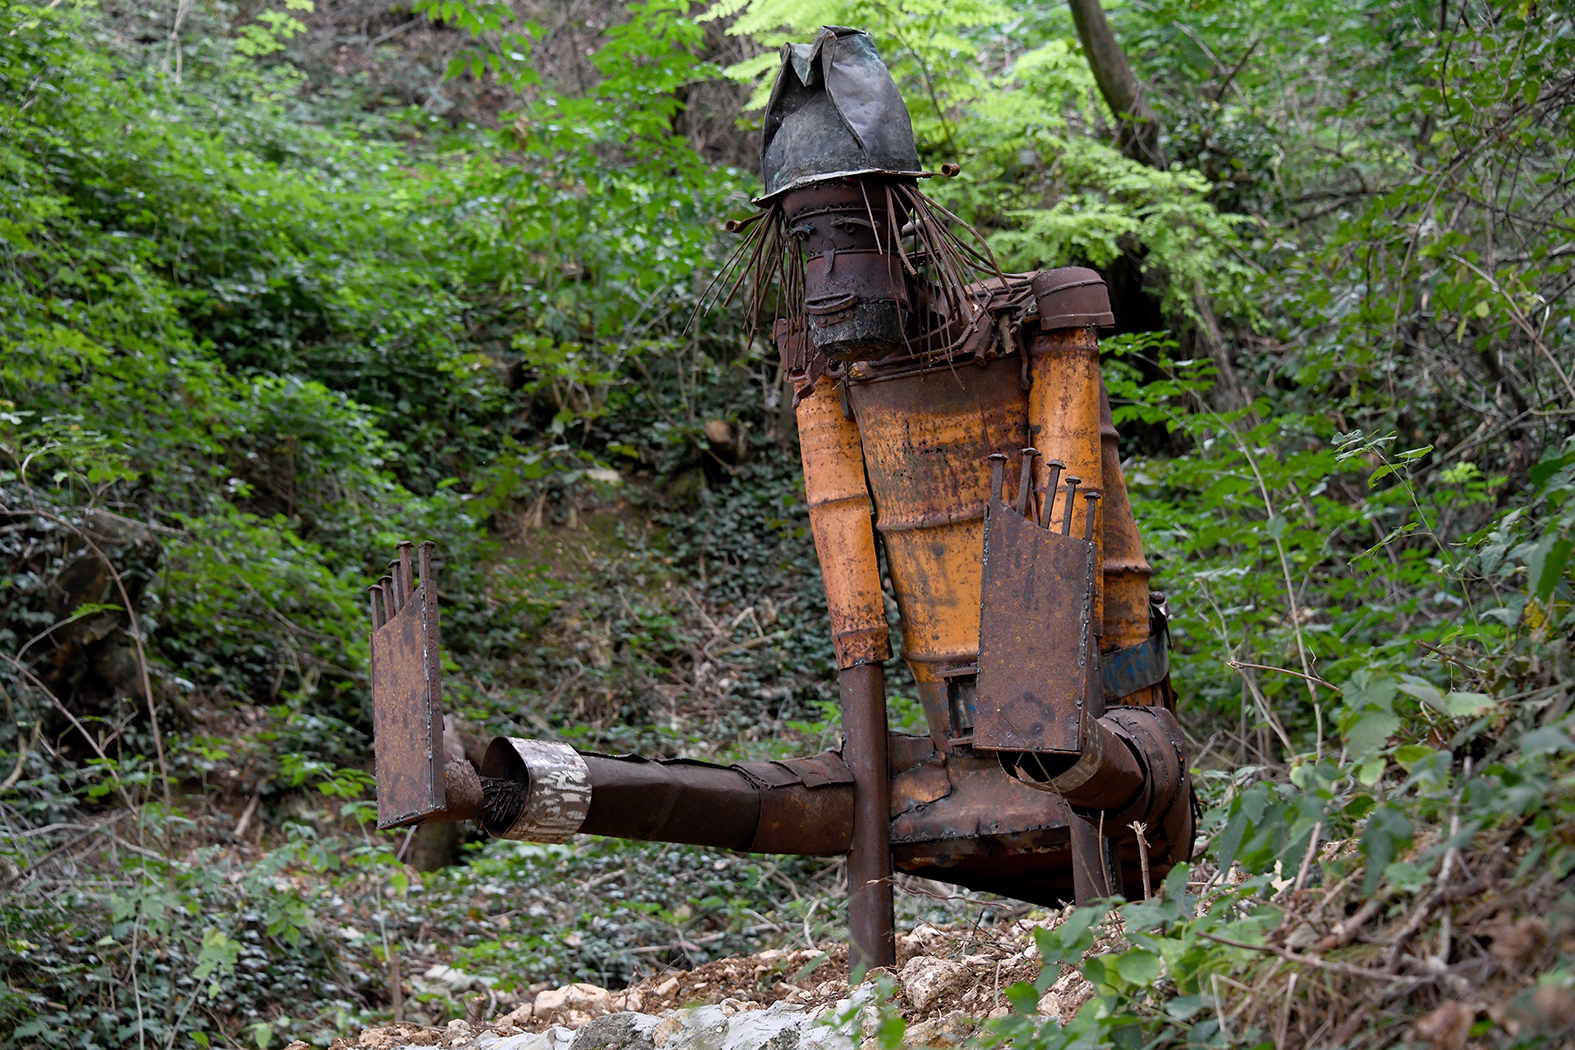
1122 90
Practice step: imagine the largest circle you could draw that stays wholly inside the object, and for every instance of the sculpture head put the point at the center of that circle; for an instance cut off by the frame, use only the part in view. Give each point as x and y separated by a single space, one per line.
861 261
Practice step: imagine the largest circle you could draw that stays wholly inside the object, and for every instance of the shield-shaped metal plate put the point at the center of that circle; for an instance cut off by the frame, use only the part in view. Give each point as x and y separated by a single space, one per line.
407 708
1034 618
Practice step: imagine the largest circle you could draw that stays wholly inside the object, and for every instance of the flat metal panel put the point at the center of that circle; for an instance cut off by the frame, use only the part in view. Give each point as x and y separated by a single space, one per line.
1037 597
407 714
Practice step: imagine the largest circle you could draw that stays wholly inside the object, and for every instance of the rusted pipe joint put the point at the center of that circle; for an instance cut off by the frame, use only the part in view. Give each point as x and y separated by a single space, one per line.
1106 775
557 782
461 794
1130 768
1153 735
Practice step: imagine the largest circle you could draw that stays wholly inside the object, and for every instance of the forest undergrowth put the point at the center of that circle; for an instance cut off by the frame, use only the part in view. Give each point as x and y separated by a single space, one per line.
281 285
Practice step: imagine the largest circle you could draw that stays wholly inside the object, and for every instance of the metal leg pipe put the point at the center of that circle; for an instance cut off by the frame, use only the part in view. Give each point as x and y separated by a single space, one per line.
1090 861
870 921
537 791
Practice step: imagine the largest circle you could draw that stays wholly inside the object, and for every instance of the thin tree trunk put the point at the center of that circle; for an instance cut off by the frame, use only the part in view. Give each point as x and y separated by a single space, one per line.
1138 139
1228 393
1122 90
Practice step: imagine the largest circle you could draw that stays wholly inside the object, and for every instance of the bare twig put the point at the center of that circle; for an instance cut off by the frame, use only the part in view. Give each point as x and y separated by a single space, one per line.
247 814
1142 845
1238 664
1312 850
1308 960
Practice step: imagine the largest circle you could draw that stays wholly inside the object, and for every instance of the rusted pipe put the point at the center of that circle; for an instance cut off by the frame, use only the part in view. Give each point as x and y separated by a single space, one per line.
839 517
1063 412
462 794
1063 396
956 817
1091 859
802 806
1126 570
870 923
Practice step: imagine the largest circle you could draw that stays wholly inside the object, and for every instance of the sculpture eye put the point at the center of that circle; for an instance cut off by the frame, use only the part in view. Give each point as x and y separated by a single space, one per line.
849 223
802 231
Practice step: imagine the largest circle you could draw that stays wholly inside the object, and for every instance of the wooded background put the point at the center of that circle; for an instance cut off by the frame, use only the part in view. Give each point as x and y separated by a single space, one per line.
284 283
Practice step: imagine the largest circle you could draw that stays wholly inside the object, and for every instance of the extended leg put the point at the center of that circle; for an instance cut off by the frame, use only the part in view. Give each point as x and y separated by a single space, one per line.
869 861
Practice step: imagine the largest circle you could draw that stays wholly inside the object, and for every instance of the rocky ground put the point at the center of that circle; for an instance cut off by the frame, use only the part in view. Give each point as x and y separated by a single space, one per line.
946 983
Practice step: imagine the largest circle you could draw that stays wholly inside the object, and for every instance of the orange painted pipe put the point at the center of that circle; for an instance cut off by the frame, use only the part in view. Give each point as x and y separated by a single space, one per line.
839 515
1126 570
1063 417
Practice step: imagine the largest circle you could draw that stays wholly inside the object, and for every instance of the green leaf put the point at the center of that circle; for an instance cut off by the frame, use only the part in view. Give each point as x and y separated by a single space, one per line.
1546 565
1426 692
888 1036
1544 741
1024 997
1369 733
216 959
1549 466
1184 1007
1409 754
1388 831
1139 967
1468 705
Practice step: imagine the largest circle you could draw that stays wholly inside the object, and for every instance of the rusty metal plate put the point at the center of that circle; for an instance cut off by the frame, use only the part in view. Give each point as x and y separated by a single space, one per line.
407 710
1036 601
819 770
982 802
920 786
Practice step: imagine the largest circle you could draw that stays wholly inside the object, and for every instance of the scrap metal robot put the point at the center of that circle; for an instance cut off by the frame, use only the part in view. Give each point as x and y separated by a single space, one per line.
953 416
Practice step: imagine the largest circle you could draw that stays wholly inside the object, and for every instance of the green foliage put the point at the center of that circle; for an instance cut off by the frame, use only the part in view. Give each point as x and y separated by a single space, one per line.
1011 99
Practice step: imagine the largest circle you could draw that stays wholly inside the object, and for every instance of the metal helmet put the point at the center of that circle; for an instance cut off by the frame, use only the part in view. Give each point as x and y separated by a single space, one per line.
834 113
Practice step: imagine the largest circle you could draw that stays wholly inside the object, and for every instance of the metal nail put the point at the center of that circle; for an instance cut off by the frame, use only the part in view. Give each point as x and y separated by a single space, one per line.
375 598
1025 483
401 596
407 572
1092 495
1055 467
424 560
1072 481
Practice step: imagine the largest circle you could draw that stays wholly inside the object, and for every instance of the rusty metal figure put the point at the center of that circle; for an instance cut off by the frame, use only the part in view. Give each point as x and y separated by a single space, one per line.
953 415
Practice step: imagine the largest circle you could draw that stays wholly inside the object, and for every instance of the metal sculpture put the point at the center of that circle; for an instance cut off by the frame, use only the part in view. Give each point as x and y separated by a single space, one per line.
1040 658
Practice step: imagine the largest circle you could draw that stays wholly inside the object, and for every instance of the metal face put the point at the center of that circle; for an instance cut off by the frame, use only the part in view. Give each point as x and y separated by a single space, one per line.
856 298
407 709
1036 608
855 302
